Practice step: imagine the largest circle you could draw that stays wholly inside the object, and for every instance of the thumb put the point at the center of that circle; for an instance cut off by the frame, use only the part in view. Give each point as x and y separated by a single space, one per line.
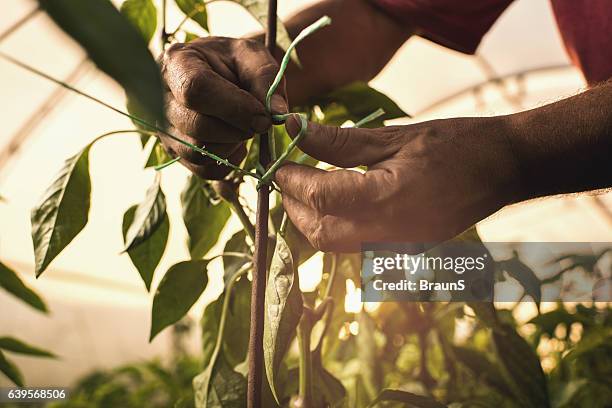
343 147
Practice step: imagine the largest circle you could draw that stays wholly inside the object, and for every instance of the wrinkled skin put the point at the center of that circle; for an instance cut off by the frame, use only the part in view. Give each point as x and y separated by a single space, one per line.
215 95
215 98
425 183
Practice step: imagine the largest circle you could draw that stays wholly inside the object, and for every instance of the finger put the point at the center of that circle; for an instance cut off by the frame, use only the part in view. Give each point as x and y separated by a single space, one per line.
256 72
195 84
213 171
203 128
175 148
329 233
346 147
338 192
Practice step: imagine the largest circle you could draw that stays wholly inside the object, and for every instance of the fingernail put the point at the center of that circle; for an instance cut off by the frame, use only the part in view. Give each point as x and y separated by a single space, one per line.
278 104
261 123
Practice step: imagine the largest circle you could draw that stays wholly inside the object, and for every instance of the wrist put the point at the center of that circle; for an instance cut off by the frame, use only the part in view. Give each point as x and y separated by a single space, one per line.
498 161
511 130
564 147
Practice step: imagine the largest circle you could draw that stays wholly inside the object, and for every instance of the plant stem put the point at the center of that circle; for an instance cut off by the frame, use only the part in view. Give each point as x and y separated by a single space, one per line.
272 144
197 9
244 219
332 275
304 331
224 309
15 26
258 289
227 190
270 173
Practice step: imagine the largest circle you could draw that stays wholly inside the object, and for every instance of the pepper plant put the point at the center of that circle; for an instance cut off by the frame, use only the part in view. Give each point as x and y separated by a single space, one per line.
316 352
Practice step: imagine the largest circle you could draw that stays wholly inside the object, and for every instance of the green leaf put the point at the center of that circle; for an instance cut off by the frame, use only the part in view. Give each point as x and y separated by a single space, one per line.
210 327
136 109
63 211
190 36
147 255
327 388
485 312
180 288
369 358
142 14
148 217
220 386
10 281
196 10
548 322
204 216
592 340
231 264
525 275
115 46
483 368
157 155
283 309
409 399
522 366
10 370
17 346
238 321
259 10
354 102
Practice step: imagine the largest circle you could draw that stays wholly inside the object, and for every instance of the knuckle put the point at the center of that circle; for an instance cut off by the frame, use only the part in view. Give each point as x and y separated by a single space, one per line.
267 71
314 196
188 90
320 237
337 137
249 44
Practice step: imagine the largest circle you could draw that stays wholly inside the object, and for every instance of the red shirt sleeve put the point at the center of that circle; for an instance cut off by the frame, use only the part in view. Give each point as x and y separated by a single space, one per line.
455 24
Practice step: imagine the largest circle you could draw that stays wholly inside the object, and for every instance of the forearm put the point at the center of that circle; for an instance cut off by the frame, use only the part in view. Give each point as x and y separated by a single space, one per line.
357 45
565 147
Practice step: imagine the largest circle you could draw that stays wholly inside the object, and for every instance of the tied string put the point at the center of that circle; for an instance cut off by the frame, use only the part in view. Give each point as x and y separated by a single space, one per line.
266 175
282 118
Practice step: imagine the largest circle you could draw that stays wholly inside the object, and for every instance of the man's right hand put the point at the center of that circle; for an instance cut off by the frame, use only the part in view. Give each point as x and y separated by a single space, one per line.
215 99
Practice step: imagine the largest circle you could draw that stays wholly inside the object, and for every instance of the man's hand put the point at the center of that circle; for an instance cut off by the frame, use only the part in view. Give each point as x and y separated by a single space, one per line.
425 182
216 89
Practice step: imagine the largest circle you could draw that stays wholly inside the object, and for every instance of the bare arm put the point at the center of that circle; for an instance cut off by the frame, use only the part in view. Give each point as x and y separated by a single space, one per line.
355 47
565 147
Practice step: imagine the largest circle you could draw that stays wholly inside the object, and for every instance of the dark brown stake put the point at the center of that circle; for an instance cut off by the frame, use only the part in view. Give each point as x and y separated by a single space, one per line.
256 369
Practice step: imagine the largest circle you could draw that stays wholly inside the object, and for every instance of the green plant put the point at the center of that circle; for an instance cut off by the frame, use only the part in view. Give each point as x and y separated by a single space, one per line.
12 284
316 352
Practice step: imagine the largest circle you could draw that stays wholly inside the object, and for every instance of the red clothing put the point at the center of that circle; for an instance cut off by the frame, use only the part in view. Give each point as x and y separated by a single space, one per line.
585 25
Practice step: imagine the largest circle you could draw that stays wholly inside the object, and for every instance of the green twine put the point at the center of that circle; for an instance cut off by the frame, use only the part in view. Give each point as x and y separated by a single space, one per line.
322 22
372 116
281 118
303 127
166 164
203 152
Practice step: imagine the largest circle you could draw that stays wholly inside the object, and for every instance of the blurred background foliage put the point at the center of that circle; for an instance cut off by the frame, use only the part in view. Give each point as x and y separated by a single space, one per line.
420 354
